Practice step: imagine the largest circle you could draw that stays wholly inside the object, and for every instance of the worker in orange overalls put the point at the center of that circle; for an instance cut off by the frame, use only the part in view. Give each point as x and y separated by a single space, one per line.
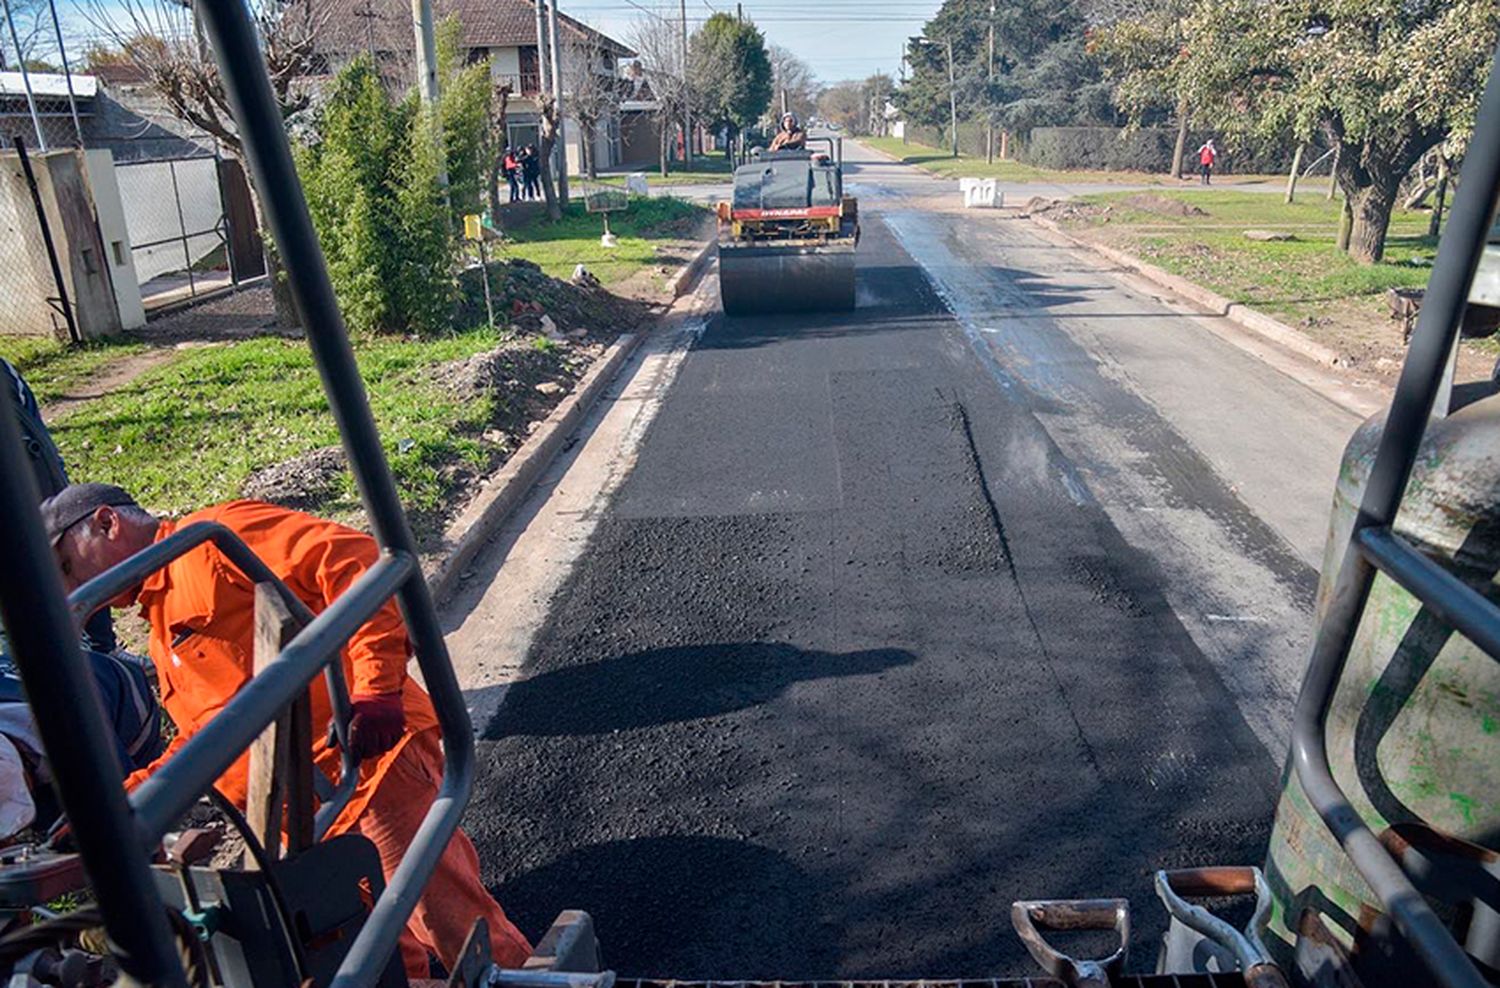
201 610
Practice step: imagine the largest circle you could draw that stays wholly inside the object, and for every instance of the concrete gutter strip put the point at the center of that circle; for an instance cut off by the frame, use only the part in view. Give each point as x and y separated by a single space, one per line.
1241 315
691 271
506 489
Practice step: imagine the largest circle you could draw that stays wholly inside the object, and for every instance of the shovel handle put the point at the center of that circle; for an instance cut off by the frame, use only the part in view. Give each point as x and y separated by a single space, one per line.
1031 918
1221 880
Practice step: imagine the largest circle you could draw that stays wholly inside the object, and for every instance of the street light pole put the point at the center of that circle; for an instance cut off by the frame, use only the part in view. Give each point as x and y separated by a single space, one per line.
952 88
989 141
952 99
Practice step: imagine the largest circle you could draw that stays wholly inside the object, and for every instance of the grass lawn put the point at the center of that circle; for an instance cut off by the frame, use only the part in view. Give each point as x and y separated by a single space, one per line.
52 368
641 228
940 161
706 170
1291 279
188 433
191 428
1307 282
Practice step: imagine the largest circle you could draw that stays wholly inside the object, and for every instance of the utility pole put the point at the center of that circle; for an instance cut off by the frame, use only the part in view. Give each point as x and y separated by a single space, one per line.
952 99
541 50
62 55
557 100
366 12
427 80
687 112
989 135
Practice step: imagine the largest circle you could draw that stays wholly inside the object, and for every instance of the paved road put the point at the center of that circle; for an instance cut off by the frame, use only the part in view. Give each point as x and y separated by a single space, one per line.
994 588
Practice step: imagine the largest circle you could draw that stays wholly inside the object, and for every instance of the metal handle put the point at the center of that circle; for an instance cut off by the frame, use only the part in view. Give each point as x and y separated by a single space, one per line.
1031 917
1247 947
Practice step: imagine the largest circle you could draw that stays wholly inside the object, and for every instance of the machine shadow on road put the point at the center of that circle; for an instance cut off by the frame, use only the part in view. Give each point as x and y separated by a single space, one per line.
683 899
672 685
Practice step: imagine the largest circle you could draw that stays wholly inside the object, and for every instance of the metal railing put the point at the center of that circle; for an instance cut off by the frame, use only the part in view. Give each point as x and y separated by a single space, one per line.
1374 546
44 637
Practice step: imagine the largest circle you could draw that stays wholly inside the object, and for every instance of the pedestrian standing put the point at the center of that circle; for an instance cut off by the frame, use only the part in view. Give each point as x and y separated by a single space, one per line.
1207 155
531 168
512 169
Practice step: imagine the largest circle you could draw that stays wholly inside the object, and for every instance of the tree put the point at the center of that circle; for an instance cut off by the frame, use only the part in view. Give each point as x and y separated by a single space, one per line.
843 103
1384 81
159 39
369 167
1141 47
793 85
33 23
1043 75
858 107
463 115
594 91
730 70
657 43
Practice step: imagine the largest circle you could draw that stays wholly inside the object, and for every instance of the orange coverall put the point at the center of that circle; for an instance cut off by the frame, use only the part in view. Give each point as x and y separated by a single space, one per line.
201 609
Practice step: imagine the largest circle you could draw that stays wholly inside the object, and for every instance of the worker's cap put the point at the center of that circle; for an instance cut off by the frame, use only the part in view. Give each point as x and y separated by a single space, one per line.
76 502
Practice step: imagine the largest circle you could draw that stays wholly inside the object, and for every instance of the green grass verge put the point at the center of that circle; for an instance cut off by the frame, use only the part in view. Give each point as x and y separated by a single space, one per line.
706 170
189 433
1294 280
558 247
51 368
940 161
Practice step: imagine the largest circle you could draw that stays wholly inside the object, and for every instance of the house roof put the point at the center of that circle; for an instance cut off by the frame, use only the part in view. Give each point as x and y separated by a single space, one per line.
48 85
346 26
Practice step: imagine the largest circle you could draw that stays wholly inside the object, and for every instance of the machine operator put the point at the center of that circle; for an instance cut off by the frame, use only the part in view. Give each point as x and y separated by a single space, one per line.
790 136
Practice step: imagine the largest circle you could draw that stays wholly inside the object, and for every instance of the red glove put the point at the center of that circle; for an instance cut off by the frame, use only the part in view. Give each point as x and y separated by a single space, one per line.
376 722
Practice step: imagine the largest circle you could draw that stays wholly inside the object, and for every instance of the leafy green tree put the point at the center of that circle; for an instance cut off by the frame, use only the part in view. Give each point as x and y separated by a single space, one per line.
730 70
1043 71
1141 49
370 172
1384 81
465 93
425 290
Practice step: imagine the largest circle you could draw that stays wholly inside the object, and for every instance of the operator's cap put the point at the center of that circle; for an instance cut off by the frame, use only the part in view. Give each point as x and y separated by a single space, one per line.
76 502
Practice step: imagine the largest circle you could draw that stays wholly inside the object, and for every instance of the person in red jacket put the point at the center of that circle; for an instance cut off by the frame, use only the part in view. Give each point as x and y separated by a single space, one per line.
202 614
1207 155
512 169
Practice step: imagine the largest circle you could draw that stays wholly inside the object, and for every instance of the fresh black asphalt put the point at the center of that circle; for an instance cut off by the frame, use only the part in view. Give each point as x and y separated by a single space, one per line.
846 669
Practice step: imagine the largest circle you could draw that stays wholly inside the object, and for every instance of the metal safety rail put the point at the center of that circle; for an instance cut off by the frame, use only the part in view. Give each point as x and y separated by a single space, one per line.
1375 547
156 815
44 637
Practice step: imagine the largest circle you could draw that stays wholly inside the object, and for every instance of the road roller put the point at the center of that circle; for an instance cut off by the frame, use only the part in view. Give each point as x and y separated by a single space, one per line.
788 236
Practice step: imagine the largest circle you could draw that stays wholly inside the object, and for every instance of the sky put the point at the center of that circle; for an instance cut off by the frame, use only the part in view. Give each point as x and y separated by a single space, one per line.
838 39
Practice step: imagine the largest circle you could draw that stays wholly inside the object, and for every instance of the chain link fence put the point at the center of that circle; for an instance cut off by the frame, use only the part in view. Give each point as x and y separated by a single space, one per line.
174 211
31 300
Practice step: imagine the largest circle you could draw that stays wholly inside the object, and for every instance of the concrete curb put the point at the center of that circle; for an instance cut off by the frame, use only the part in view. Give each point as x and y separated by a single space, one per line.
691 271
506 489
1241 315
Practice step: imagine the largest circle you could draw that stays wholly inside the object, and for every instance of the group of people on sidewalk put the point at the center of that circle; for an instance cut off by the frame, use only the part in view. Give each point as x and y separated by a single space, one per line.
522 168
201 610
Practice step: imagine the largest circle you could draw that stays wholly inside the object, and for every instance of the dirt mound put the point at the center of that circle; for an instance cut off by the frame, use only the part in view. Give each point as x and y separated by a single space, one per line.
522 293
514 367
1148 202
1064 209
304 482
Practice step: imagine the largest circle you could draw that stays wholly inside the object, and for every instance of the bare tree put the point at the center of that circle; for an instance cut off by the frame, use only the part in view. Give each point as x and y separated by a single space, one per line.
547 141
796 88
162 42
32 20
657 41
594 90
